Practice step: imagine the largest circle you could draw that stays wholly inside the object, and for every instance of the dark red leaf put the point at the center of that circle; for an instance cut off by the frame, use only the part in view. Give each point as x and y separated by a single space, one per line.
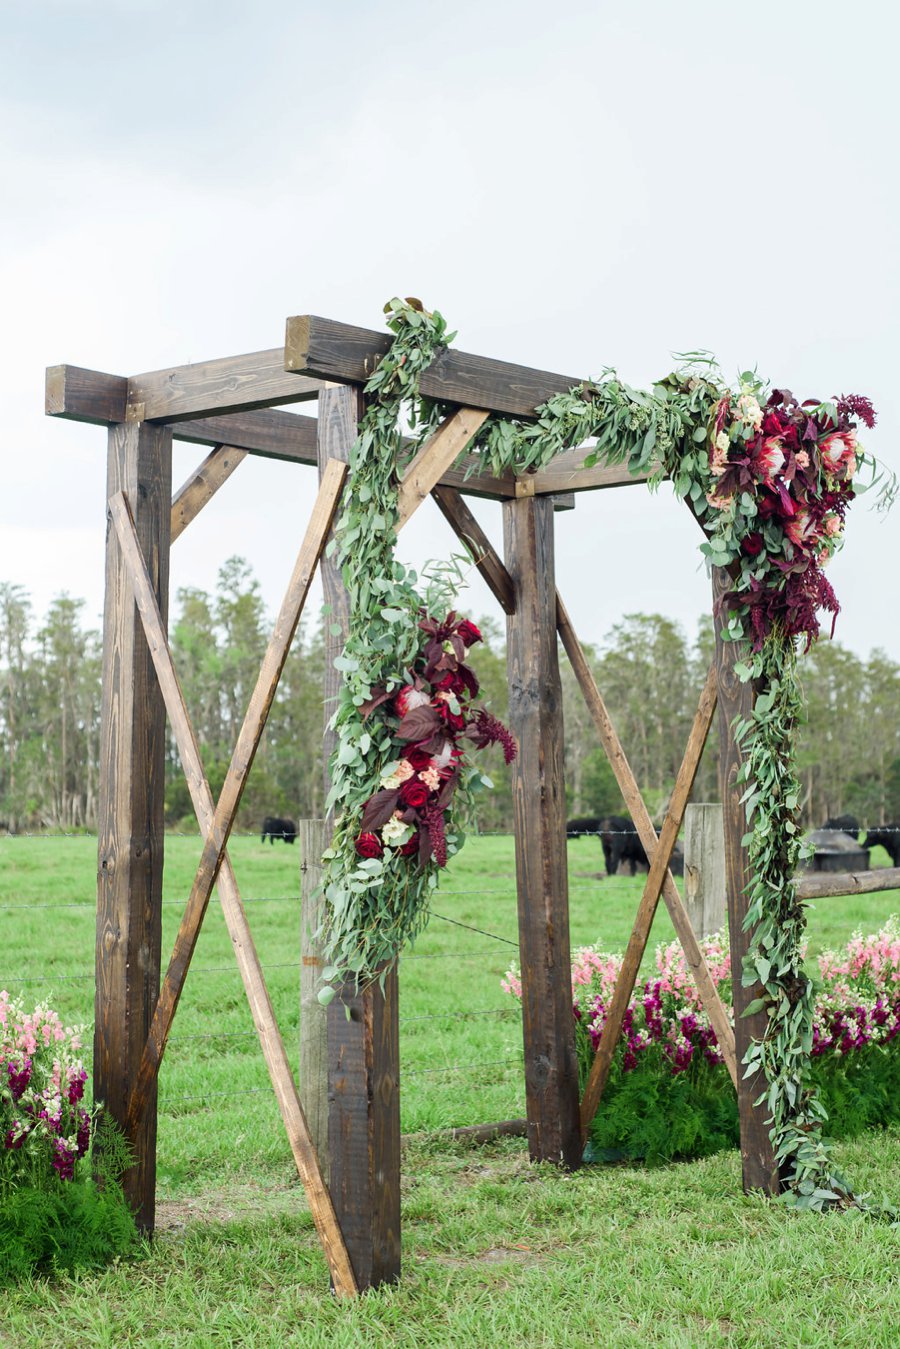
419 724
379 809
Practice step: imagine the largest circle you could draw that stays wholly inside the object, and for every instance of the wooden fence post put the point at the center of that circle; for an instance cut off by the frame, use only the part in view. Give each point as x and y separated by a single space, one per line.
313 1016
736 699
130 821
535 710
704 868
364 1051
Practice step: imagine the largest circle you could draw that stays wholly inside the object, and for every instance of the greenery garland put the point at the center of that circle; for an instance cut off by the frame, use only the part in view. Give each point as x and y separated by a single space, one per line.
769 479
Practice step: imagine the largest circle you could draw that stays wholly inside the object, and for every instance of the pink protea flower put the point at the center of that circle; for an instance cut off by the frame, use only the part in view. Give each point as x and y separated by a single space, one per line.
838 453
769 459
802 530
410 698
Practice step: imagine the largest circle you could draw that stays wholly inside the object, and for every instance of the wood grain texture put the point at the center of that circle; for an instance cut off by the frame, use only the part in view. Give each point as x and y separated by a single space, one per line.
487 560
130 820
84 395
631 794
538 791
736 699
436 456
364 1126
640 933
229 384
276 1059
363 1052
826 884
269 433
704 868
202 485
313 840
339 351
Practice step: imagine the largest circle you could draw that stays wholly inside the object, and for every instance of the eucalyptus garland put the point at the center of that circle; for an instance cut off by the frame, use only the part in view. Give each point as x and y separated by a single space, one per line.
770 480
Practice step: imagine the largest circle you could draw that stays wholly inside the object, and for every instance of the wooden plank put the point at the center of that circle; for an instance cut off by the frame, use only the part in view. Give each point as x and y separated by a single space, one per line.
229 384
644 825
263 1014
269 433
436 456
736 700
130 818
538 791
364 1126
363 1051
216 837
659 866
84 395
313 840
202 485
487 560
704 868
339 351
566 474
825 885
473 1133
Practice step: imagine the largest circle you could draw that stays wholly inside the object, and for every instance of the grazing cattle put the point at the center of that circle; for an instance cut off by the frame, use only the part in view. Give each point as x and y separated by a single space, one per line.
888 837
846 824
589 824
621 844
274 828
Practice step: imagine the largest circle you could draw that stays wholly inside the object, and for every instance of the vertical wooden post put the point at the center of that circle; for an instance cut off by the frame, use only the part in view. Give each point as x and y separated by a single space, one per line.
535 710
364 1051
313 1016
130 827
736 700
704 868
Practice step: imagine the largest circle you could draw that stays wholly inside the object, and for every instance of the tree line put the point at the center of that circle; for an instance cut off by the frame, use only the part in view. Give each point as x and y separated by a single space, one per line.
649 670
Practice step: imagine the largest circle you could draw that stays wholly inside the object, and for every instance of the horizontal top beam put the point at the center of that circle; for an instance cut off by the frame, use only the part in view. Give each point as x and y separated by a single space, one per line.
340 352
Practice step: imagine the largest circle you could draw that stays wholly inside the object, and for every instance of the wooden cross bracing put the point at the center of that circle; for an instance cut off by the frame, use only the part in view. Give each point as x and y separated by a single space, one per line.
658 847
217 819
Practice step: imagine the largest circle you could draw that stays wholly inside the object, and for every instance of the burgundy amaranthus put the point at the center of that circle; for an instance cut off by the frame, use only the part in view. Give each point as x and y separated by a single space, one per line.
435 718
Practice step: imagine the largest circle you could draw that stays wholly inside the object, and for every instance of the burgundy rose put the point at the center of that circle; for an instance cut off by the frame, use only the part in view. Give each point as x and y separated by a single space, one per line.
469 633
455 721
410 846
752 545
414 793
419 759
451 683
369 845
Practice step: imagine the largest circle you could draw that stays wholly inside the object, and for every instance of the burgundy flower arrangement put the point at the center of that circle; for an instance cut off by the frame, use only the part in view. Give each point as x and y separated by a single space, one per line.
436 723
796 462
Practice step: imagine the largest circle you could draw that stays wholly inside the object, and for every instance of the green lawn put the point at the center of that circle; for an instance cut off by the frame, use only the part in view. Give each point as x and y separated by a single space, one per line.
494 1250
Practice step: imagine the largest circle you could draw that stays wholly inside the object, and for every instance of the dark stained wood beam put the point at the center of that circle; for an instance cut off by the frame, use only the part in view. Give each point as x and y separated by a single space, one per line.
324 349
202 485
268 433
230 384
827 884
85 395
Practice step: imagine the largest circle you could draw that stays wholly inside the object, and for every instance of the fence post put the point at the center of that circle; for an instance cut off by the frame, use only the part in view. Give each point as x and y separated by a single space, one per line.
364 1050
535 710
704 868
736 699
130 817
313 1016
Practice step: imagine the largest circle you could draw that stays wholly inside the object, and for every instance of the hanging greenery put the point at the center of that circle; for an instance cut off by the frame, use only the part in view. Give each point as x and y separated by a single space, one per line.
769 479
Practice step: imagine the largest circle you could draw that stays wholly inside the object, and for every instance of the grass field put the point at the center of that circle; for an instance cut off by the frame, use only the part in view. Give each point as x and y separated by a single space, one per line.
494 1250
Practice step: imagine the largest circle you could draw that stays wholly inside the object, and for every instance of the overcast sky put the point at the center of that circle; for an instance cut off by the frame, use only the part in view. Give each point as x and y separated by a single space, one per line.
573 185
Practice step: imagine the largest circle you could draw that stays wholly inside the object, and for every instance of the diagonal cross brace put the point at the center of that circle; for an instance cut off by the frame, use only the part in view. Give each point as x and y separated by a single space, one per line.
498 579
248 962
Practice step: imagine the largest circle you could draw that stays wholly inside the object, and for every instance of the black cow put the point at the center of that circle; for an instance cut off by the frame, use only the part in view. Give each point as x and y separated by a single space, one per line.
888 836
274 828
589 824
621 844
845 824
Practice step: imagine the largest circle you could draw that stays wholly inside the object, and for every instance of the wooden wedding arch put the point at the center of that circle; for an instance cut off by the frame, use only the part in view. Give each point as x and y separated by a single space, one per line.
236 406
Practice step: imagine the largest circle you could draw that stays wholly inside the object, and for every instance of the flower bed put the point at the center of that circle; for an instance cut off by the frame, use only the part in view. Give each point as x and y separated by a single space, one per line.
53 1212
668 1094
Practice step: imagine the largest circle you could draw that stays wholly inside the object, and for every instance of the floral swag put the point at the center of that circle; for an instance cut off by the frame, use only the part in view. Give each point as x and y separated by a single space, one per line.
769 479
